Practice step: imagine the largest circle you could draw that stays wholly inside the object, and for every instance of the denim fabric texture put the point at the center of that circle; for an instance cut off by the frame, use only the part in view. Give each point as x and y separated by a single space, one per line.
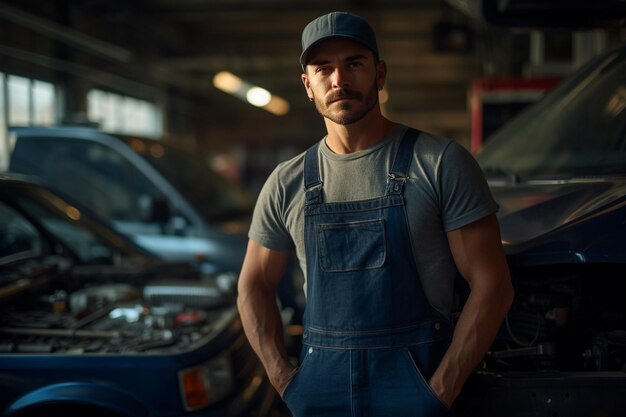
371 339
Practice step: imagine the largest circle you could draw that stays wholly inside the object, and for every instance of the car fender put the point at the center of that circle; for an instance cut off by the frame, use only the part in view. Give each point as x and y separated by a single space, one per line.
96 395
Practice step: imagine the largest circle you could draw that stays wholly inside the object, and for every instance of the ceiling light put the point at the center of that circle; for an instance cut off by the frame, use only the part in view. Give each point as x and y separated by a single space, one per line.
257 96
278 106
227 82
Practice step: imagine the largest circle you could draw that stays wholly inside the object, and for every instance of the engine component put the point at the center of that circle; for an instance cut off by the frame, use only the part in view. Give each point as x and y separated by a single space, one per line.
606 352
204 294
114 318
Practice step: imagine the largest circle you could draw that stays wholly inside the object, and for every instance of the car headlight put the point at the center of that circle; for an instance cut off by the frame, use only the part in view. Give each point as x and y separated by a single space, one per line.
207 383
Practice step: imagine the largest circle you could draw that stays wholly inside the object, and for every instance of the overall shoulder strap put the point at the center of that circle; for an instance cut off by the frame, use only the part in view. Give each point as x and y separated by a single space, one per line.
312 181
404 154
402 161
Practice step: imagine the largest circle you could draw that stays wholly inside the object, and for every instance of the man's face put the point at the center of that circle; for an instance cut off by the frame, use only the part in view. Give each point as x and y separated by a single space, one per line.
343 78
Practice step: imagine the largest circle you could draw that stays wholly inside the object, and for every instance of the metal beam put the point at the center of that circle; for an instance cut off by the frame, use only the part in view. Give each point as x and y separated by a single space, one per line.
64 34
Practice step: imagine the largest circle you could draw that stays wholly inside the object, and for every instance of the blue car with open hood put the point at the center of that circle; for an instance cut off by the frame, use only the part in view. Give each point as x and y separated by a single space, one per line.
91 324
558 172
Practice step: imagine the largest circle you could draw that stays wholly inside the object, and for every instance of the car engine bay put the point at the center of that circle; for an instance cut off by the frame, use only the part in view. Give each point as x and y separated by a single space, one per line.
565 318
57 311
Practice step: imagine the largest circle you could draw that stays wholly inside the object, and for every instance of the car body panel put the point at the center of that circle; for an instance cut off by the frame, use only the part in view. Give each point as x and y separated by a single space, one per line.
577 221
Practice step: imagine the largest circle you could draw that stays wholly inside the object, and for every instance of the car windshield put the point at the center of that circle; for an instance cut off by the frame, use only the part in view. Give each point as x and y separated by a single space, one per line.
36 212
213 196
577 130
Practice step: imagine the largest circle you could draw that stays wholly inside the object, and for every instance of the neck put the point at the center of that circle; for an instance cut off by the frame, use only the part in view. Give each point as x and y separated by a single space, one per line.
367 132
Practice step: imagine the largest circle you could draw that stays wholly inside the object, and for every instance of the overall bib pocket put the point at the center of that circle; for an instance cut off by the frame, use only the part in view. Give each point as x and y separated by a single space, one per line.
355 246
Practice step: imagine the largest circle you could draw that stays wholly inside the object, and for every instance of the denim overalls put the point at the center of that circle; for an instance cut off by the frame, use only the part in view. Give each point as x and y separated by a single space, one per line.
371 339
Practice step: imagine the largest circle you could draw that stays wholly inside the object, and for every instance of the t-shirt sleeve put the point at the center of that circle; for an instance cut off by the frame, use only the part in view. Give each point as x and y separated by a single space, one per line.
268 226
464 192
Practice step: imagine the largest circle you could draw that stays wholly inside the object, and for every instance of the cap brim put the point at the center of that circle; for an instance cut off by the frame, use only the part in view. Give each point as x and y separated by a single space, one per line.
304 53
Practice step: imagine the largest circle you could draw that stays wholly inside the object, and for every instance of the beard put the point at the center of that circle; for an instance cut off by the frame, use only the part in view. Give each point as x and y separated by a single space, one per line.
349 111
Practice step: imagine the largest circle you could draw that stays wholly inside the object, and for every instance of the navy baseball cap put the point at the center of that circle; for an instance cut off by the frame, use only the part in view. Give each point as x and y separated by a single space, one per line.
337 25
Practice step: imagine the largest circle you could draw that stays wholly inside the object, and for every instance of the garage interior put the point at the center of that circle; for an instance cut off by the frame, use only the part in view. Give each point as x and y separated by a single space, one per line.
185 72
168 53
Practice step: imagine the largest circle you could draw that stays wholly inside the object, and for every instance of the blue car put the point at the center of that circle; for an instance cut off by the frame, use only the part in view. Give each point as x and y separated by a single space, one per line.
167 199
558 172
91 324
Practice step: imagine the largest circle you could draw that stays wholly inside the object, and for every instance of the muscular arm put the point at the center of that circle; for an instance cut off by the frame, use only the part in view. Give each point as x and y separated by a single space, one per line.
477 252
260 274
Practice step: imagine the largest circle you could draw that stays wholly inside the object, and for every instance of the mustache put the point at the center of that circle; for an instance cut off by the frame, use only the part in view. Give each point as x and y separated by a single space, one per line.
344 93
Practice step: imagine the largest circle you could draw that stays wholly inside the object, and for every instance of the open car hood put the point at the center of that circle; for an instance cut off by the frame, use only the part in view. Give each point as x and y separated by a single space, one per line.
563 222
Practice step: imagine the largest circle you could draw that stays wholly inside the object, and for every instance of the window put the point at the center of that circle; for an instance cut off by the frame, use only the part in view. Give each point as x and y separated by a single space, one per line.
43 102
123 114
19 100
24 101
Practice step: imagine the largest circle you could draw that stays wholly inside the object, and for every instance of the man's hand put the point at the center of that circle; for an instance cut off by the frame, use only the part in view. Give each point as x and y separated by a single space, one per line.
446 397
281 379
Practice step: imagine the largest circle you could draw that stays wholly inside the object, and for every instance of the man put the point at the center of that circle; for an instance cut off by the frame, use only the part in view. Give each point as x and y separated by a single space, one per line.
382 218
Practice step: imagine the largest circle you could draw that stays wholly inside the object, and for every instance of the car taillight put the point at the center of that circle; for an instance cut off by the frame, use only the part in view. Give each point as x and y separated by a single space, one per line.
207 383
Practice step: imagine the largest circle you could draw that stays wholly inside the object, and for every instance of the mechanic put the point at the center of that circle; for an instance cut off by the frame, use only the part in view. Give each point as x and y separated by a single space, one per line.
382 218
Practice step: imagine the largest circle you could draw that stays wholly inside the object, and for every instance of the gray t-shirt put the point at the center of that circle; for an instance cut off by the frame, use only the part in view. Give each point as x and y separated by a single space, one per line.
446 190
